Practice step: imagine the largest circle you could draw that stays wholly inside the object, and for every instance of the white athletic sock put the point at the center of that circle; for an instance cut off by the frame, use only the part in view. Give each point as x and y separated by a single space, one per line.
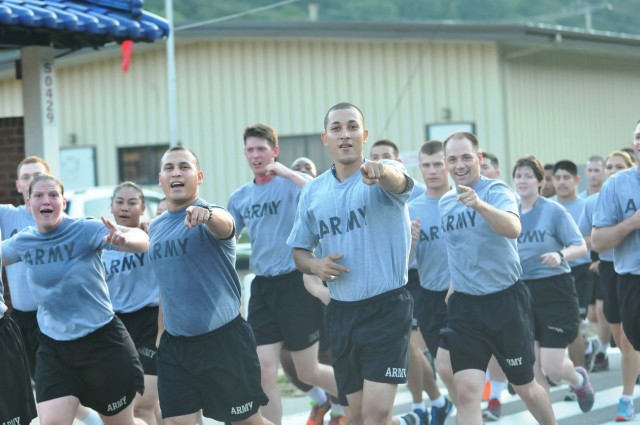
589 349
626 397
580 380
317 395
603 348
422 406
92 418
496 389
438 402
337 410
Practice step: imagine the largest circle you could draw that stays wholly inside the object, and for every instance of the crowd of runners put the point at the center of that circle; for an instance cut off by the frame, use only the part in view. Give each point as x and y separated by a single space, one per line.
364 279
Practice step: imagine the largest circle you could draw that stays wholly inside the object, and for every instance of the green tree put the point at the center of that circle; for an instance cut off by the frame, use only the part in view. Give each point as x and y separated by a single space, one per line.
623 17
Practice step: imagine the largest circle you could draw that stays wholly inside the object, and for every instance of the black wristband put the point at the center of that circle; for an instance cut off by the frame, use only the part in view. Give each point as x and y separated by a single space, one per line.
210 209
561 255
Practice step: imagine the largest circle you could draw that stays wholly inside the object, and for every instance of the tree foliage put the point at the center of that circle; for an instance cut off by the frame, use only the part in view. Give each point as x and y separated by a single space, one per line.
623 17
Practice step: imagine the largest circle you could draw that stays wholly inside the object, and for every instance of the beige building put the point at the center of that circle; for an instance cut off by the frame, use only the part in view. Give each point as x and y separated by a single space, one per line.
554 92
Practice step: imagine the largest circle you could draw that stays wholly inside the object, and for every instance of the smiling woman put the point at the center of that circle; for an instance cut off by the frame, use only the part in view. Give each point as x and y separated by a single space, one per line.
46 202
135 294
66 277
550 238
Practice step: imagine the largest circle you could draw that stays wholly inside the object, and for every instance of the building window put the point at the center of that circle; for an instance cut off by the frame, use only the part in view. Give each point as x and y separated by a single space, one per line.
440 131
140 164
310 145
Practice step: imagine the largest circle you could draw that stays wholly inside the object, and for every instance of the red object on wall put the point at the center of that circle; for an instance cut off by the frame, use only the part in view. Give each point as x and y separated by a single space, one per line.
127 50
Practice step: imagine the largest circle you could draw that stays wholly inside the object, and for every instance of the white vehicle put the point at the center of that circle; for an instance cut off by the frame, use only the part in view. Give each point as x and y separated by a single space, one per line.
96 202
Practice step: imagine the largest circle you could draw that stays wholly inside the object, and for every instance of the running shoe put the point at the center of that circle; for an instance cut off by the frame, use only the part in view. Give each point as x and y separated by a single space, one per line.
584 394
590 358
424 419
493 411
411 418
316 417
439 415
600 363
625 411
338 419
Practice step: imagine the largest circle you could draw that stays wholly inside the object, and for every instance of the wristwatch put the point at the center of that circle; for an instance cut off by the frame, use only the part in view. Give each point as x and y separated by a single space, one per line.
210 209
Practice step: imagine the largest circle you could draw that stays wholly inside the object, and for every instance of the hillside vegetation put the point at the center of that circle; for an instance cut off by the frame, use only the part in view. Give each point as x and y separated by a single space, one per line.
624 15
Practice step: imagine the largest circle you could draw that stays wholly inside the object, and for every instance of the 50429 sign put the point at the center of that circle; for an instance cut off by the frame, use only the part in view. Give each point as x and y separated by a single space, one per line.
48 92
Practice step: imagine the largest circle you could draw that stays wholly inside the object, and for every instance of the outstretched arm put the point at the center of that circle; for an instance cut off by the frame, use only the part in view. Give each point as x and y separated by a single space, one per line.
281 170
128 239
389 178
502 222
218 220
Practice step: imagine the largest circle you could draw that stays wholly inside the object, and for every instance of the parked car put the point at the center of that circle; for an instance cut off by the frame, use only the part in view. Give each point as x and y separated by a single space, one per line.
96 202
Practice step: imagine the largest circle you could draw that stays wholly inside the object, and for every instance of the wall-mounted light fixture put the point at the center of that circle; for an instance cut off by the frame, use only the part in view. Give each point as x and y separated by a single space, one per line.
445 114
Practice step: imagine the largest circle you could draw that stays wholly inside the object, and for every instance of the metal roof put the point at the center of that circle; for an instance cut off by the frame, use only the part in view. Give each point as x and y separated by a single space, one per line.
515 35
76 24
466 30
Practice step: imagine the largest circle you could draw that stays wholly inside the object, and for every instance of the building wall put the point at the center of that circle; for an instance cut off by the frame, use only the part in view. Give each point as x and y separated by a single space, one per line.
569 106
100 106
225 85
555 105
10 96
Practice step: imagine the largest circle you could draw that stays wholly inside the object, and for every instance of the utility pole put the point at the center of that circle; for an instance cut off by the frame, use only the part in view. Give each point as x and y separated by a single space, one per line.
586 10
171 77
576 9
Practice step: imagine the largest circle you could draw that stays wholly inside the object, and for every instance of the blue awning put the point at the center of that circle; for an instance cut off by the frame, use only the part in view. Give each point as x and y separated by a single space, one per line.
79 23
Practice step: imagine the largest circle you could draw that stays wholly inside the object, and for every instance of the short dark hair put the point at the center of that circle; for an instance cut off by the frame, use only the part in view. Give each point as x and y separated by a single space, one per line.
43 177
531 162
386 142
566 165
491 157
463 135
339 106
596 158
261 131
181 149
133 186
548 167
431 147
